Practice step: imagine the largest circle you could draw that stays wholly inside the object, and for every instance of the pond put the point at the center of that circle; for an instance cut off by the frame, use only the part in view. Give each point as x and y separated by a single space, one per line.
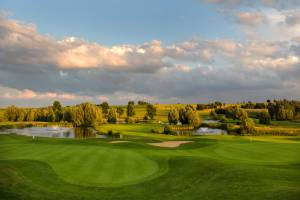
202 131
210 121
55 132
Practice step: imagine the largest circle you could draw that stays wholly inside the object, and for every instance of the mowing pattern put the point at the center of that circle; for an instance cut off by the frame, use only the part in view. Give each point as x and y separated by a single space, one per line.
209 168
87 165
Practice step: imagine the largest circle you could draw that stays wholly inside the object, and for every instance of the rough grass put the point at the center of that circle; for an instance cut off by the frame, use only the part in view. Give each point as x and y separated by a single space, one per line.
216 167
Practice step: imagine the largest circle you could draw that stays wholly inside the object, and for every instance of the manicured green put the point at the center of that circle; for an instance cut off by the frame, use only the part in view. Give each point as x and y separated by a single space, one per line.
212 167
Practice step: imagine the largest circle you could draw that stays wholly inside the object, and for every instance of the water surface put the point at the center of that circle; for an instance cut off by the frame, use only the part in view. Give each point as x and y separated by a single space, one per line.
54 132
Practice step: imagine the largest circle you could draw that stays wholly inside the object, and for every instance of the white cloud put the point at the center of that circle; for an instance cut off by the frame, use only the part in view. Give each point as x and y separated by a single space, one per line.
250 18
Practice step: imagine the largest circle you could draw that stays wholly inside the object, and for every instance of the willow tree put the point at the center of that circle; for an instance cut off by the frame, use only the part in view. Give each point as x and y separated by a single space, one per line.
173 116
86 115
112 115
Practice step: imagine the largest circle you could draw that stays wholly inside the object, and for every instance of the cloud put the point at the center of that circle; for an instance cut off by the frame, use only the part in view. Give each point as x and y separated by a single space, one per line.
276 4
36 69
250 18
21 44
27 94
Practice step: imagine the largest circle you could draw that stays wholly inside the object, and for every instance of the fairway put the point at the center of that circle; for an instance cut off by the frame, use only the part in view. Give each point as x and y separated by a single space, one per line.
211 167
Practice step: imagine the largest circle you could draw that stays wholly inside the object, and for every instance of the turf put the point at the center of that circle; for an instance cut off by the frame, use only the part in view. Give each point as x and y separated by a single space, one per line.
219 167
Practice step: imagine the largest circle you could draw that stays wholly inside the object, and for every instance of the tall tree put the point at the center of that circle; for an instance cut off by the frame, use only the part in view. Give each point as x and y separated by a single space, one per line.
86 115
151 111
105 107
173 116
120 111
57 109
112 115
130 109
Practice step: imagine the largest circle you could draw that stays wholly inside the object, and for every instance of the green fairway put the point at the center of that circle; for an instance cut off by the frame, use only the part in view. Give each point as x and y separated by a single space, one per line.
214 167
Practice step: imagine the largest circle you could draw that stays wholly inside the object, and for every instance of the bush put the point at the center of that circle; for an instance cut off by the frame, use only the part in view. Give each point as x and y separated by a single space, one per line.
129 120
264 118
155 130
167 130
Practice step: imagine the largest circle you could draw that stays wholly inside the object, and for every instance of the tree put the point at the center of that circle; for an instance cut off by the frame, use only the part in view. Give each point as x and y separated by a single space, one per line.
131 102
77 115
173 116
105 107
142 102
20 114
57 109
195 119
30 115
67 115
86 115
188 115
151 111
247 126
56 106
120 111
50 115
240 114
112 116
264 118
167 130
130 109
11 113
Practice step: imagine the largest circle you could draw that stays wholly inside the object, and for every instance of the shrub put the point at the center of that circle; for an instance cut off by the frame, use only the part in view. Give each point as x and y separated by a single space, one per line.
264 118
167 130
129 120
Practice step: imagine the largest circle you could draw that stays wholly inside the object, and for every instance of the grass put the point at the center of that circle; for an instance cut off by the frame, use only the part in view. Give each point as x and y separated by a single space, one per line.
212 167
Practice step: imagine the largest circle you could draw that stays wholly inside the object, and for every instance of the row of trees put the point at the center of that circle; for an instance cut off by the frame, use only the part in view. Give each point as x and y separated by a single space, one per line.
186 115
232 112
85 114
284 110
251 105
49 114
214 105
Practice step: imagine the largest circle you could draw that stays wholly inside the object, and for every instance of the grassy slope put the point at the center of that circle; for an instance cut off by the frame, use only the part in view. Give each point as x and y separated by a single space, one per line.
210 168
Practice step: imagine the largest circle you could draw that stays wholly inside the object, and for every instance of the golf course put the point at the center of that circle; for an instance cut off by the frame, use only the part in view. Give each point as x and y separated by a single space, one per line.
208 167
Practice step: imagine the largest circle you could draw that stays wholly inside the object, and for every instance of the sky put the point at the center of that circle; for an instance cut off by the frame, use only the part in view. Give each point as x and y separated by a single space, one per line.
192 51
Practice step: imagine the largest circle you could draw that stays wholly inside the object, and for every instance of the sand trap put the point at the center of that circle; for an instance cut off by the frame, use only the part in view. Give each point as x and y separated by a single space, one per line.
169 144
117 141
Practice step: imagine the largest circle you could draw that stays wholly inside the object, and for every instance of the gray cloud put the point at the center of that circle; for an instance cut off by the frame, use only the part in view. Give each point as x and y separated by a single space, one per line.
35 69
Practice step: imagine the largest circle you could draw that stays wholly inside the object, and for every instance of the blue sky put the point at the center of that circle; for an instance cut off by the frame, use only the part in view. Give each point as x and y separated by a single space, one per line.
118 21
162 51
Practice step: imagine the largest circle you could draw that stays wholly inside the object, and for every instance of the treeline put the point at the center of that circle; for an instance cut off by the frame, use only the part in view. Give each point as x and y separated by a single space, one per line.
48 114
284 109
214 105
251 105
85 114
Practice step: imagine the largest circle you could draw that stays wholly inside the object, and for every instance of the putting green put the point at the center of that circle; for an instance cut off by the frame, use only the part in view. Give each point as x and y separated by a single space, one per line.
90 166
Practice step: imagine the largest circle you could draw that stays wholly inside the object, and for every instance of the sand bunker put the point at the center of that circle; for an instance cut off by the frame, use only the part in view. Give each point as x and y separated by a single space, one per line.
117 141
169 144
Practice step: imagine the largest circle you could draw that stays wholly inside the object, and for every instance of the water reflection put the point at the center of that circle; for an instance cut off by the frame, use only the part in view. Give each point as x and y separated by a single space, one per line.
55 132
202 131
